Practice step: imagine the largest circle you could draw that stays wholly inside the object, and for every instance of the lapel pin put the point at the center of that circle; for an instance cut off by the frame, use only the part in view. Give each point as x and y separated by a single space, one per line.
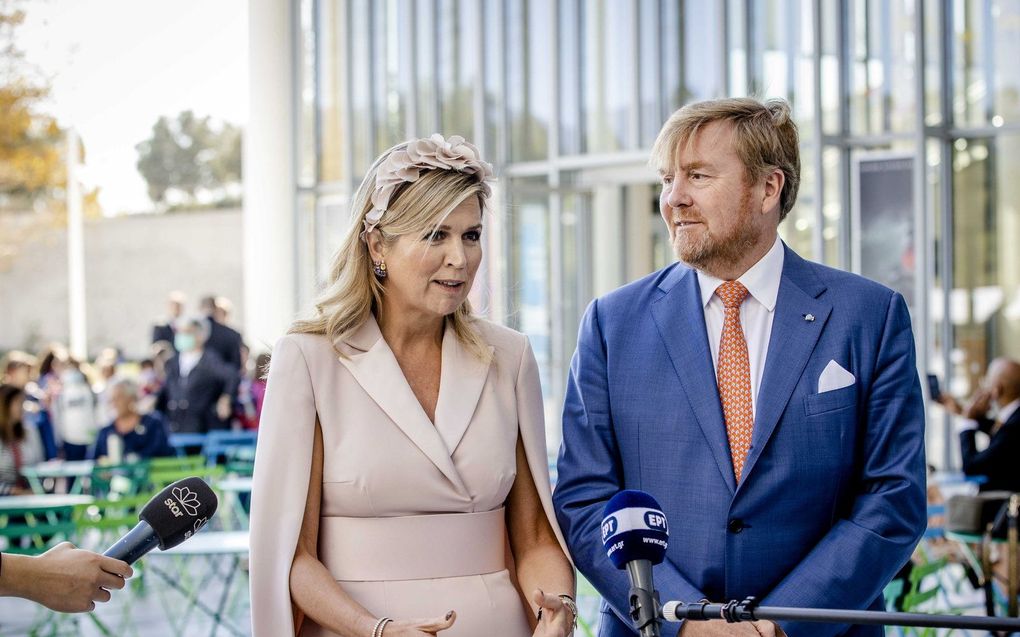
810 318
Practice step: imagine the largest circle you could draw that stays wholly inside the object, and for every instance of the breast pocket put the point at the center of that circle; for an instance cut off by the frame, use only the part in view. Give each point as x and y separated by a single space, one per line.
830 401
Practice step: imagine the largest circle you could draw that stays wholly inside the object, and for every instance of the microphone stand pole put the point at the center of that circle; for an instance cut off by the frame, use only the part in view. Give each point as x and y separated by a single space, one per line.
645 611
748 610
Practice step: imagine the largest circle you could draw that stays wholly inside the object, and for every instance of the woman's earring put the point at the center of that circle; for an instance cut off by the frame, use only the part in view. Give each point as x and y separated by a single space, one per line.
379 267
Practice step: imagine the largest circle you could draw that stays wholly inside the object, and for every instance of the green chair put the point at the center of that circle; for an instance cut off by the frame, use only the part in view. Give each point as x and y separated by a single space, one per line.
119 480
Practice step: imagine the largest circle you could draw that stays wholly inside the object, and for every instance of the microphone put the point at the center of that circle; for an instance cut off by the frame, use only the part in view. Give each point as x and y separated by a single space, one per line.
171 516
635 535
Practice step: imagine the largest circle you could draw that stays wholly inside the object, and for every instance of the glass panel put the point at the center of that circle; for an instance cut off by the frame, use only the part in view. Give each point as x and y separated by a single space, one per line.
1006 83
332 219
307 90
389 102
609 79
307 275
830 71
648 68
672 57
703 66
737 32
361 94
425 66
459 61
493 60
882 77
530 266
832 207
984 305
570 67
933 61
797 230
331 68
529 43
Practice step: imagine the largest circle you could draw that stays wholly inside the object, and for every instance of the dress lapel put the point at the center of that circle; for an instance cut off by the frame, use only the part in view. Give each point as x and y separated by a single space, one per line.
680 319
376 369
460 387
793 339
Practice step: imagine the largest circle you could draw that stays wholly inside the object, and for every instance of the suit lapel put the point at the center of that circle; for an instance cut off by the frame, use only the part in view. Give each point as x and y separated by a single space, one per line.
460 387
793 339
680 319
376 369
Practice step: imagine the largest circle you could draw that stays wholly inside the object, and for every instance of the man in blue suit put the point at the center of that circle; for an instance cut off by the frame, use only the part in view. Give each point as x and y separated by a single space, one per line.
770 404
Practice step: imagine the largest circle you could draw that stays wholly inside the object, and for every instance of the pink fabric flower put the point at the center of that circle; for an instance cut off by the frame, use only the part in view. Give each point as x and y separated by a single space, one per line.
420 155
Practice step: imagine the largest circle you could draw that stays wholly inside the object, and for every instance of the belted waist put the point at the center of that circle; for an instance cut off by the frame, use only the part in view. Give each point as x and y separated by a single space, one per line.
413 547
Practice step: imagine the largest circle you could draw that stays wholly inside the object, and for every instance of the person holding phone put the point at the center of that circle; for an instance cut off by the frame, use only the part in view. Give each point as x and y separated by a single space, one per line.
993 410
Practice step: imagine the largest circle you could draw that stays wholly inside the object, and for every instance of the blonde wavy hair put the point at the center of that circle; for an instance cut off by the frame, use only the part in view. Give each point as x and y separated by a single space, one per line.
352 292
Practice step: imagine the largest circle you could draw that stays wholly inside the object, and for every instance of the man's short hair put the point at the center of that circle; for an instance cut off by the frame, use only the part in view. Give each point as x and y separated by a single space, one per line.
765 139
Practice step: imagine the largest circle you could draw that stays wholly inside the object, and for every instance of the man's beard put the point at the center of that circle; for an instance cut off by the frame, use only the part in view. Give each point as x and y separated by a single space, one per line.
710 250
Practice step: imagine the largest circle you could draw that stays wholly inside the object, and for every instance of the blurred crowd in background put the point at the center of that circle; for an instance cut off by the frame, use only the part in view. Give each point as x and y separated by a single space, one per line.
198 377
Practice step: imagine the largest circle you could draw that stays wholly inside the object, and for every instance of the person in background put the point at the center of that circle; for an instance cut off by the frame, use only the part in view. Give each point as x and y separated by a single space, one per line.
224 340
198 393
64 578
106 363
52 363
131 436
994 412
19 445
18 367
175 309
74 413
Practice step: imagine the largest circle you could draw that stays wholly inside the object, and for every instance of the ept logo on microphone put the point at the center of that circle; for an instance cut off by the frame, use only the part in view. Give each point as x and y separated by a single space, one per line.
634 528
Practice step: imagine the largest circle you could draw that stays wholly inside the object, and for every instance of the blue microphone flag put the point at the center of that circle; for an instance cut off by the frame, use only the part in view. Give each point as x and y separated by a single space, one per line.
634 528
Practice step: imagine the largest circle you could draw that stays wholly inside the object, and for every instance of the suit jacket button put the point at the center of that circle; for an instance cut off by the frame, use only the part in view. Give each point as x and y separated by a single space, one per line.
735 525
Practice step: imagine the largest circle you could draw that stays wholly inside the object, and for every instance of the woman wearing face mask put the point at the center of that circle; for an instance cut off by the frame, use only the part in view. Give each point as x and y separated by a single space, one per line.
19 444
402 439
196 396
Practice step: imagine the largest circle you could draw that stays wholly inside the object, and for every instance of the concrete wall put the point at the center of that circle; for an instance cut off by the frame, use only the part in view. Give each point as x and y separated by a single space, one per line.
131 263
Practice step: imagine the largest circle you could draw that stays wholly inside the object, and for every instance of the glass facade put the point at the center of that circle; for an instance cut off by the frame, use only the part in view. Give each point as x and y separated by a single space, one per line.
909 112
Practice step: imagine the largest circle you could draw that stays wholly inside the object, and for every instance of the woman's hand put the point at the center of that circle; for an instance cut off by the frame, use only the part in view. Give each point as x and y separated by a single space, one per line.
556 620
419 627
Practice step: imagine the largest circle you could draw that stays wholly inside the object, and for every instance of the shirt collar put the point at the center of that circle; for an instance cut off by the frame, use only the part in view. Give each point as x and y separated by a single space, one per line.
761 279
1008 410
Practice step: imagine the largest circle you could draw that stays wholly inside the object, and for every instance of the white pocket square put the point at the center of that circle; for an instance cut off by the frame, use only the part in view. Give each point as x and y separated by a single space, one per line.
834 377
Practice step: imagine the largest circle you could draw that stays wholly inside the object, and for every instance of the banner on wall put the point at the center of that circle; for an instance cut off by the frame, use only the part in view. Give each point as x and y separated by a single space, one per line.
883 220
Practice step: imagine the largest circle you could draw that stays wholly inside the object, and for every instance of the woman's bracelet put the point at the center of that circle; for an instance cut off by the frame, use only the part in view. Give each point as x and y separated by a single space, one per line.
568 603
571 605
380 626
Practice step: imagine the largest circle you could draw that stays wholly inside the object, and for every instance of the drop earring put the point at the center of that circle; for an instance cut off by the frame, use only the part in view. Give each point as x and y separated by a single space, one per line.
379 267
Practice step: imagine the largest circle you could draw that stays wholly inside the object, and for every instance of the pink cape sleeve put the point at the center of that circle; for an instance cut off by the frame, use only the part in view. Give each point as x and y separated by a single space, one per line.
280 489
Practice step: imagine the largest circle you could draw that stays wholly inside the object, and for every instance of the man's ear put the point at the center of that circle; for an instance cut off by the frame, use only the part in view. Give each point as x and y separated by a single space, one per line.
773 191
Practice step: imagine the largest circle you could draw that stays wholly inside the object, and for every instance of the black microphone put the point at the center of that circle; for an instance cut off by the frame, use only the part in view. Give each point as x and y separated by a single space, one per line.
171 516
635 535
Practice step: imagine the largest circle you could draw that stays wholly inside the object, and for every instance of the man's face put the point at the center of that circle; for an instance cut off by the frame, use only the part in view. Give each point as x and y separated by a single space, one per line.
713 214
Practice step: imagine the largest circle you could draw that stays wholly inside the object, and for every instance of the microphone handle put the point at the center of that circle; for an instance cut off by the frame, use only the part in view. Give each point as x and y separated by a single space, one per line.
744 611
136 543
644 600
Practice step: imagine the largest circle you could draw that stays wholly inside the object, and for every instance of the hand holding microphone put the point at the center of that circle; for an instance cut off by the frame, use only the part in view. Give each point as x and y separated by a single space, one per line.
173 515
70 580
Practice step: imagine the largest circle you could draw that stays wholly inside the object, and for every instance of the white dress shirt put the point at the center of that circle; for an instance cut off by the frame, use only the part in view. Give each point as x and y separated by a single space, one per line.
188 361
756 312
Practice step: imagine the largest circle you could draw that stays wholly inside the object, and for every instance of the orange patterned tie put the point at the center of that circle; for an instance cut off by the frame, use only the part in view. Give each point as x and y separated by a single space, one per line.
734 376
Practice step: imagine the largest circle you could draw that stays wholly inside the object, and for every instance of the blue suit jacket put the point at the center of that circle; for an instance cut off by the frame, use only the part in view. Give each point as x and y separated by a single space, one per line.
833 496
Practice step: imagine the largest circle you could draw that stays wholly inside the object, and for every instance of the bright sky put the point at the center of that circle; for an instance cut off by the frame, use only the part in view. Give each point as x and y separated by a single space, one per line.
117 65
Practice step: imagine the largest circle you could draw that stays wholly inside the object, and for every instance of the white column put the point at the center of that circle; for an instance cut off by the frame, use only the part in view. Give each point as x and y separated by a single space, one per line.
270 254
78 337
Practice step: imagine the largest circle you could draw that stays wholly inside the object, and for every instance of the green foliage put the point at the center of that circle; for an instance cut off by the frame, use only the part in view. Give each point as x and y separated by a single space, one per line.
191 160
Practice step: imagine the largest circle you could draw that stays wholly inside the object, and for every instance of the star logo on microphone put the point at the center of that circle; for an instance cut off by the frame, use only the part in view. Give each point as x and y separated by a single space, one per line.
188 500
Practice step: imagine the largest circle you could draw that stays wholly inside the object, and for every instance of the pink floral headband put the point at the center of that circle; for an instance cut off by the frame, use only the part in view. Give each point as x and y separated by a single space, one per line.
407 164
